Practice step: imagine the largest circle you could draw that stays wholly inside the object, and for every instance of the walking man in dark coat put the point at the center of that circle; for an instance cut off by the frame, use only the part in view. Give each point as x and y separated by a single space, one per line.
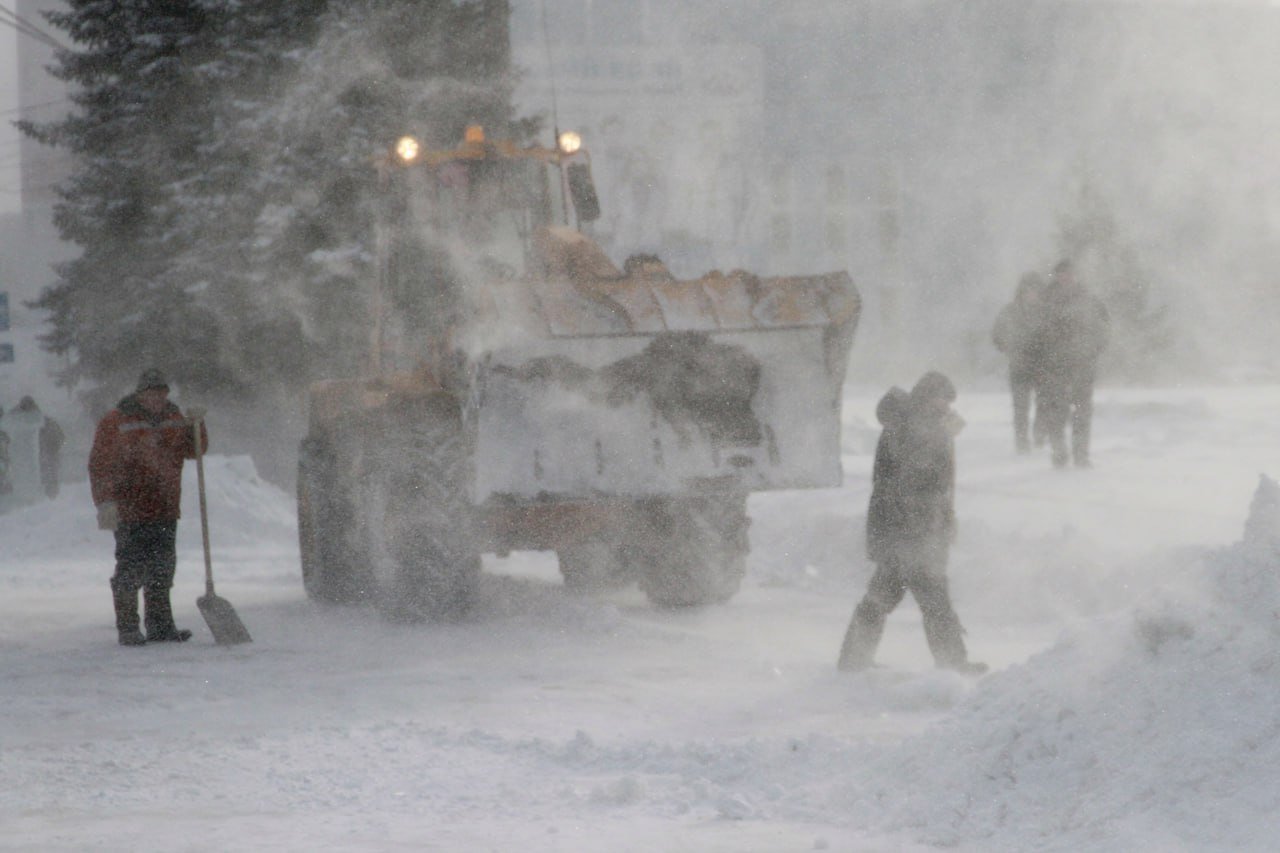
1013 334
911 523
1073 332
135 473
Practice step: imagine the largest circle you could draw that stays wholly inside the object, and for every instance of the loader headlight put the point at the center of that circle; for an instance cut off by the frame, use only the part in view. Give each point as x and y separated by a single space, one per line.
570 142
407 149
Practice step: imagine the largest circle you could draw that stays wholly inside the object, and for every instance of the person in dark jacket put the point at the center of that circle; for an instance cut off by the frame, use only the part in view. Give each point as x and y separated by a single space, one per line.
135 474
1013 335
1074 330
911 524
5 486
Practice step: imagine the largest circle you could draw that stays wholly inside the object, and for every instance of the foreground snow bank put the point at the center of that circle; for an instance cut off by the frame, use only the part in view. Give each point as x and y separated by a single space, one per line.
1154 728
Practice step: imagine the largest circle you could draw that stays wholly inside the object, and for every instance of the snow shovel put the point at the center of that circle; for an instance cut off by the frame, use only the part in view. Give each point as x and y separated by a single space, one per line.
218 613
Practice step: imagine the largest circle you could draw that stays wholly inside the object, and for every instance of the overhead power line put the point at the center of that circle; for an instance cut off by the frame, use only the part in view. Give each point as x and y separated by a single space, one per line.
11 19
28 108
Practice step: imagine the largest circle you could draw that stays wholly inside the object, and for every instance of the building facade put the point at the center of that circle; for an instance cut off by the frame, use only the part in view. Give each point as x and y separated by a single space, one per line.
931 148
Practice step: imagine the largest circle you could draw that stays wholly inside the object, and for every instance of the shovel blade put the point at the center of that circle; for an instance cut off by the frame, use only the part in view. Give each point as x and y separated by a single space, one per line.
222 620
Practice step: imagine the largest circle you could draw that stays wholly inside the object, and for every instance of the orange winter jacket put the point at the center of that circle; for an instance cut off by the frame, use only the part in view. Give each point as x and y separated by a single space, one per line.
137 458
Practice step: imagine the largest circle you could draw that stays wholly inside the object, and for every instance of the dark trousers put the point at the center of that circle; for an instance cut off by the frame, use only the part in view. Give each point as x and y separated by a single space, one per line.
890 583
1068 397
1022 385
146 557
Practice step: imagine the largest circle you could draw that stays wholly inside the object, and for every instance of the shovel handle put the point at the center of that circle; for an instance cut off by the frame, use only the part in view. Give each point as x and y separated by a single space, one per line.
204 510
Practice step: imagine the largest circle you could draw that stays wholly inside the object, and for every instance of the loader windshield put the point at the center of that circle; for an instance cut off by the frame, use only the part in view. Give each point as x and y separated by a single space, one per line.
491 206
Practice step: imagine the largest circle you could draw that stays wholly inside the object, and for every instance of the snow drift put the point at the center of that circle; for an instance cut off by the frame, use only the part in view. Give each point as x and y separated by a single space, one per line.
1155 728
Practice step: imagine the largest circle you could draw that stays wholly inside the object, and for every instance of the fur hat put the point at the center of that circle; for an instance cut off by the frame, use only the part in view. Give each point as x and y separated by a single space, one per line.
152 377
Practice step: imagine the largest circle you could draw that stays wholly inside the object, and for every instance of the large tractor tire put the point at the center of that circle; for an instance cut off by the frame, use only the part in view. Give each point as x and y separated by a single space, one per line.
416 510
690 552
334 568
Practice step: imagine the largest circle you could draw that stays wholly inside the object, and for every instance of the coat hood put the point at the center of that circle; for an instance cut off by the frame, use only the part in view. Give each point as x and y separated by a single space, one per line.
934 386
893 406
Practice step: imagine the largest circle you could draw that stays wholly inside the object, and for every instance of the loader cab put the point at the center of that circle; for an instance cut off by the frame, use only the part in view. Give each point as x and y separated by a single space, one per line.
488 198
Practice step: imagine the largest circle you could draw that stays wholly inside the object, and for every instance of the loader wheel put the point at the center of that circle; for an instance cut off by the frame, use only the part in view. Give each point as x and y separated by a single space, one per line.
426 562
332 570
593 567
691 551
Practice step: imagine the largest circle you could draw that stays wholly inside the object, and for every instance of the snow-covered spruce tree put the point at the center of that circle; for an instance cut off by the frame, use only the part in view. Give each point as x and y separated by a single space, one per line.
119 304
225 186
254 53
381 69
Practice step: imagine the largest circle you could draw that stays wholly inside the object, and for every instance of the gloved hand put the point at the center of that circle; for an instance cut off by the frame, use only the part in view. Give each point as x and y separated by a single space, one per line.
108 515
195 413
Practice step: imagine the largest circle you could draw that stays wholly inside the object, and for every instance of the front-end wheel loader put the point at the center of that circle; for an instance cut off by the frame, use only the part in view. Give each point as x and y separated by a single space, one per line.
524 393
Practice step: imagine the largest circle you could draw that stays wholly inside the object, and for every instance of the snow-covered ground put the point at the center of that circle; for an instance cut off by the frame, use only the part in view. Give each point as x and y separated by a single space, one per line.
1134 703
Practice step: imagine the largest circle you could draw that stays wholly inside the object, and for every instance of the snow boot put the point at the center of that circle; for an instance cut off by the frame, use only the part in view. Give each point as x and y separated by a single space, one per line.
1058 452
126 607
160 627
968 667
176 635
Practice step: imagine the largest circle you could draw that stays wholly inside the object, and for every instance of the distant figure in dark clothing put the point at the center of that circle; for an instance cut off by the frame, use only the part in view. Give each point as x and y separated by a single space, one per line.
1013 334
35 442
5 486
911 523
1073 332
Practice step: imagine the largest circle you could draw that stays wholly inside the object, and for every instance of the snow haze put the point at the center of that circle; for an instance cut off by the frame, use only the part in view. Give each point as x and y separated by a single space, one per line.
934 149
1129 621
931 149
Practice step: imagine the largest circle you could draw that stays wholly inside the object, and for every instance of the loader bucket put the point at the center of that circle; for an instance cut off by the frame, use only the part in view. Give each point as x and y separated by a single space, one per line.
642 386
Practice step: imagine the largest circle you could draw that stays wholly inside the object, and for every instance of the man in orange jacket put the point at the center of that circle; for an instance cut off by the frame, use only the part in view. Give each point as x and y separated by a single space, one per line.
135 473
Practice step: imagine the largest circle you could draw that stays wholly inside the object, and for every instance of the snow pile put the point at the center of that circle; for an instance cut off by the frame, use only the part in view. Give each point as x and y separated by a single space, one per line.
244 512
244 509
1155 728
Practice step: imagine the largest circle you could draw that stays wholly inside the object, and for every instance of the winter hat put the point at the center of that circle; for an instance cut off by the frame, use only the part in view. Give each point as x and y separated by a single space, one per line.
152 377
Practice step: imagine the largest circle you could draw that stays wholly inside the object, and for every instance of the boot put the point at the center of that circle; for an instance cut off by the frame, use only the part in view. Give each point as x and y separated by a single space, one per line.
1058 452
968 667
160 627
1080 453
126 606
942 629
